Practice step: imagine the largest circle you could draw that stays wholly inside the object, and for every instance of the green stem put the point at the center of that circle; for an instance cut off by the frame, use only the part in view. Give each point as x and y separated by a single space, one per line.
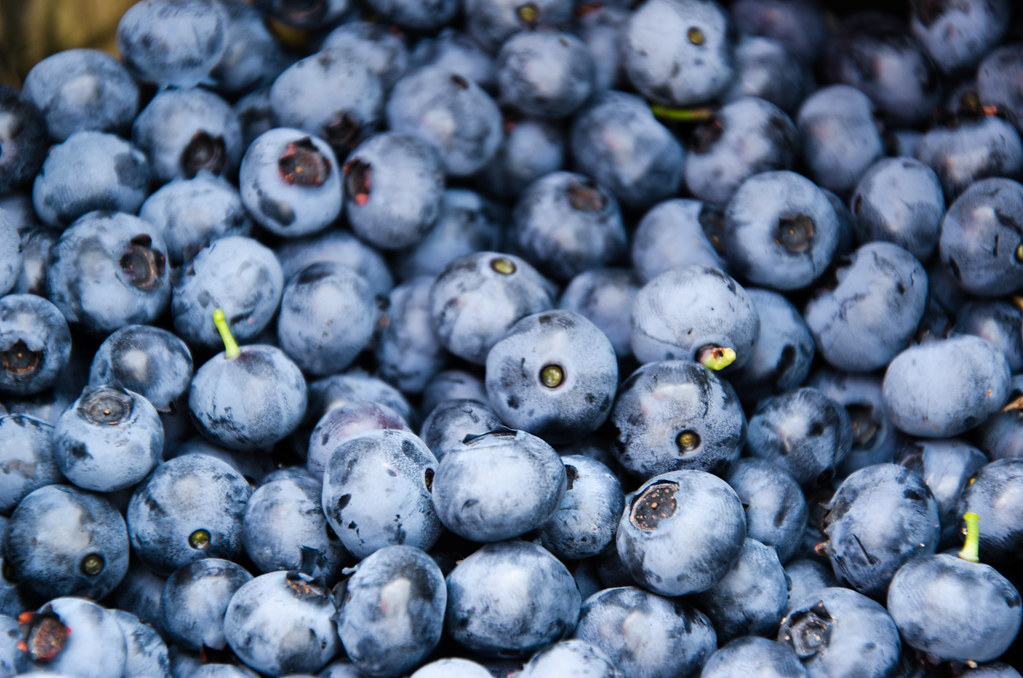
682 114
231 349
716 357
971 547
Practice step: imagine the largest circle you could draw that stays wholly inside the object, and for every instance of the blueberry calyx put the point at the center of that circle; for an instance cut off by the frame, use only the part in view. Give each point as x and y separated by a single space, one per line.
795 233
585 196
142 265
92 564
696 36
808 630
706 135
204 152
687 441
1018 253
199 539
20 361
358 178
552 375
43 634
715 357
304 586
653 505
302 164
864 427
106 405
528 13
502 265
342 132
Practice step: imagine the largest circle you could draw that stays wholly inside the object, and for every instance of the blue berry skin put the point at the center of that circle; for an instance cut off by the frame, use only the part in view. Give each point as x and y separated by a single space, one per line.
451 420
952 609
947 467
35 344
804 431
63 541
510 599
24 138
995 75
147 360
394 186
195 598
806 576
671 234
341 422
457 52
565 223
880 517
752 596
452 114
780 230
799 25
875 438
1000 322
572 657
453 384
146 652
601 28
768 69
327 317
491 22
451 667
874 310
616 140
354 386
681 532
530 148
479 296
994 495
408 352
604 296
645 634
376 492
284 529
26 458
782 354
290 182
689 308
82 89
254 114
467 223
249 402
679 52
236 274
899 200
584 523
12 261
90 171
252 57
392 613
498 485
999 436
300 14
36 242
340 247
191 213
839 137
976 224
677 414
958 36
554 374
722 156
108 440
416 15
109 270
139 594
96 649
776 510
971 151
946 387
839 632
331 95
282 622
172 42
190 507
374 44
545 74
753 655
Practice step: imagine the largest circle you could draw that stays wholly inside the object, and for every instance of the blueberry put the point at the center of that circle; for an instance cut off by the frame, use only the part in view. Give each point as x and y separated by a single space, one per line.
190 507
90 171
995 76
63 541
82 89
993 494
96 649
340 247
1000 322
453 667
535 604
671 234
194 601
447 424
529 149
645 634
342 422
148 360
743 656
946 387
252 57
601 28
604 296
572 657
947 466
998 436
416 15
109 440
584 523
616 140
108 270
456 51
35 343
958 35
172 42
282 622
146 652
805 577
26 458
453 384
376 492
767 68
776 509
392 613
408 352
799 25
24 139
376 45
491 22
355 385
546 74
290 182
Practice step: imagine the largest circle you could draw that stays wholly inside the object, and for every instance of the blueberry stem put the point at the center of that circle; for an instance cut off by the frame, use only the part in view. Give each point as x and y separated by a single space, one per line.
682 114
231 349
971 547
716 357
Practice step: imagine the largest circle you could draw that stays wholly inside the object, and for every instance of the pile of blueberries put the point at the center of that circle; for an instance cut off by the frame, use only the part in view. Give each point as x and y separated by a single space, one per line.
517 339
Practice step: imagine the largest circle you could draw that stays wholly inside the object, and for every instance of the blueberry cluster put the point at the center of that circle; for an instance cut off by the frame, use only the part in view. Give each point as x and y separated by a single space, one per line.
528 339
